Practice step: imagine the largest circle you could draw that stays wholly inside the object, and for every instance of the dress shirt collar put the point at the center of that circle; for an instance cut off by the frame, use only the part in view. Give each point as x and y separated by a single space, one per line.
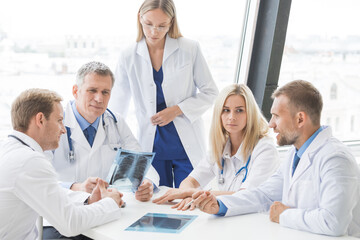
84 124
303 148
227 151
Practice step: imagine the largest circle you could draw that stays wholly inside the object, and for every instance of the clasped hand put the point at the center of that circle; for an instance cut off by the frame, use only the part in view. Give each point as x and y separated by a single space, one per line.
275 210
100 192
166 116
177 193
144 192
204 200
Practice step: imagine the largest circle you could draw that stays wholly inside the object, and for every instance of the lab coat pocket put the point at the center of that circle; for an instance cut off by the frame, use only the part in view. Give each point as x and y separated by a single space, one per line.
179 72
184 66
178 85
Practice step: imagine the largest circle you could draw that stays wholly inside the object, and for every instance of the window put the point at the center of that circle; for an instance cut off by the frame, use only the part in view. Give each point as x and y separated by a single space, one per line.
325 51
45 47
328 121
352 123
337 125
333 92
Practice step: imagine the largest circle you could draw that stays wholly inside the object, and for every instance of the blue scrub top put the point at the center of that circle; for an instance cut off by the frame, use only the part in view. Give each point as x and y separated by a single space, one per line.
167 144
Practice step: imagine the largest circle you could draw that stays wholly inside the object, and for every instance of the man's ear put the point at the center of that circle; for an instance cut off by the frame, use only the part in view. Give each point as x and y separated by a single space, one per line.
75 91
39 119
301 118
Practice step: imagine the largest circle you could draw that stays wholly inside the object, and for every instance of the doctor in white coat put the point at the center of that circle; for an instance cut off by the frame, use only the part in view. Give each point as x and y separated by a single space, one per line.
317 188
171 86
93 160
94 134
28 182
242 156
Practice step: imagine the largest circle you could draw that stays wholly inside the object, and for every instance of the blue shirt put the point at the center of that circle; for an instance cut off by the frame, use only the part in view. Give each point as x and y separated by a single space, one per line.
167 144
223 209
83 123
303 148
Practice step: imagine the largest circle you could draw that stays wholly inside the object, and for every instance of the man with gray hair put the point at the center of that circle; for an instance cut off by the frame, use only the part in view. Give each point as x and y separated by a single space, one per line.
28 182
94 134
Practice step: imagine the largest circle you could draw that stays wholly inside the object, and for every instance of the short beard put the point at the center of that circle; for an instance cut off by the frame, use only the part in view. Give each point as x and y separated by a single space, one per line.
288 140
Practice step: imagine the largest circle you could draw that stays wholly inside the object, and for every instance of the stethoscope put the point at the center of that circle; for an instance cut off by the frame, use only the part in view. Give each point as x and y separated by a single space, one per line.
221 177
71 147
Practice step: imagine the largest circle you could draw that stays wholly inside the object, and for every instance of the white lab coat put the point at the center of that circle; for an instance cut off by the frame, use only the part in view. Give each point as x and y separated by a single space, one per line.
264 161
323 194
29 188
94 161
187 83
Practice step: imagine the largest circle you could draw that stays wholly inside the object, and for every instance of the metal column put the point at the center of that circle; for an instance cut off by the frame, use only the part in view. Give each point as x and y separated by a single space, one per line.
267 51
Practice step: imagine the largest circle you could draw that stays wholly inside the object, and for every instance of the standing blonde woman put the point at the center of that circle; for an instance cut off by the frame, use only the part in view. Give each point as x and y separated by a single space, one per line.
170 82
242 154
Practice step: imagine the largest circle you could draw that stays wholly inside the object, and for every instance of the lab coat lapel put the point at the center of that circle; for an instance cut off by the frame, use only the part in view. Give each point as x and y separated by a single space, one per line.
308 156
143 51
304 163
145 70
77 135
171 45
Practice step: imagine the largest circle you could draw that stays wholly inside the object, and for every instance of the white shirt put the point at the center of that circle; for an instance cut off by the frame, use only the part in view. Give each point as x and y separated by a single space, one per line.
187 83
29 188
94 161
323 195
263 163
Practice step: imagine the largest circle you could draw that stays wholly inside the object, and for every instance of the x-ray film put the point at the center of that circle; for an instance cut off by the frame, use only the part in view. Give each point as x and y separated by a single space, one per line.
159 222
129 169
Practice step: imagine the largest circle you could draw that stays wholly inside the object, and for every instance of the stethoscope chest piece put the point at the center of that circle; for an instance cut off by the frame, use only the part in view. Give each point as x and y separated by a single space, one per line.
71 156
245 168
221 179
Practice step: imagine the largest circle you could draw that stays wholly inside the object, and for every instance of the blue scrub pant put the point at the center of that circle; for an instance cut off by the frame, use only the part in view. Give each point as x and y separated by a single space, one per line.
172 171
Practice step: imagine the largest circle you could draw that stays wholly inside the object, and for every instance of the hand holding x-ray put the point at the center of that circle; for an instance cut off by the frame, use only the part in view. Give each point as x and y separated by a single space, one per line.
129 169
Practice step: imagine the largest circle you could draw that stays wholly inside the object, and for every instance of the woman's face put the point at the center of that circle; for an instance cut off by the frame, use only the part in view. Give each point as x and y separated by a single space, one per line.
234 115
155 24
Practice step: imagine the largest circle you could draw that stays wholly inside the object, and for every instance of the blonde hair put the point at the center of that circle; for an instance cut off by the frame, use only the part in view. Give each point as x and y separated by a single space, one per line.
255 129
29 103
168 7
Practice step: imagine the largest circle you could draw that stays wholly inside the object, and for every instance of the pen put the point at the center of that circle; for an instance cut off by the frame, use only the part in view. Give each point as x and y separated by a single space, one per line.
189 203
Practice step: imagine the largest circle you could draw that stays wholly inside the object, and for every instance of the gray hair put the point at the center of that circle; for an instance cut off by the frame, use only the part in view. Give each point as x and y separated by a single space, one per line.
93 67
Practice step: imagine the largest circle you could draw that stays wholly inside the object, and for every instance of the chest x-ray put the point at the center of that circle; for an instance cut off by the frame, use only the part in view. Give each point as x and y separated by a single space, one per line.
129 169
160 222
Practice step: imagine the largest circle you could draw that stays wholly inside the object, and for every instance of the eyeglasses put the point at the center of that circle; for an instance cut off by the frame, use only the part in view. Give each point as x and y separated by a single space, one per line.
150 27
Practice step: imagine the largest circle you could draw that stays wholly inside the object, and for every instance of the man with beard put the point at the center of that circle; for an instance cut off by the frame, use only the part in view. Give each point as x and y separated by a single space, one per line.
316 189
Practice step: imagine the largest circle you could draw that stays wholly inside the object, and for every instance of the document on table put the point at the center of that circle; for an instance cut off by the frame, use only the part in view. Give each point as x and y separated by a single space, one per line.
128 170
159 222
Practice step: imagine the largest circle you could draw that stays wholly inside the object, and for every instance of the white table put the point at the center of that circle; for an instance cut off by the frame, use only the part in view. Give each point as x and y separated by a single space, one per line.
204 227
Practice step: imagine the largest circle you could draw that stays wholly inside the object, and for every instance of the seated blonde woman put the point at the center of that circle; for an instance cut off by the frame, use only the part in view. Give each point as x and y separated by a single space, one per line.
242 154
